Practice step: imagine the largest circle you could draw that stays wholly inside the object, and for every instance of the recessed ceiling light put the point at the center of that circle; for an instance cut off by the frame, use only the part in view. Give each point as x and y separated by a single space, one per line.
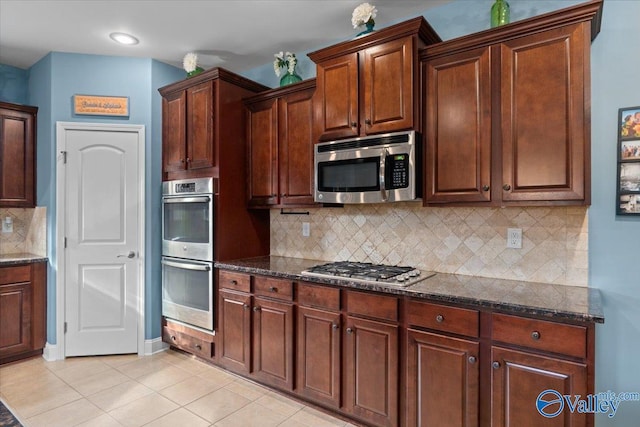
124 38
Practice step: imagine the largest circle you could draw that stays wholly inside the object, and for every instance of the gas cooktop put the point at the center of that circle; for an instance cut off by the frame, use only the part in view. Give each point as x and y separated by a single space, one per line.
369 273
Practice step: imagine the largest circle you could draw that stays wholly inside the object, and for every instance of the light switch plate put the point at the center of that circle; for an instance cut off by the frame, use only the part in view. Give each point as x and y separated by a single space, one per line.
306 230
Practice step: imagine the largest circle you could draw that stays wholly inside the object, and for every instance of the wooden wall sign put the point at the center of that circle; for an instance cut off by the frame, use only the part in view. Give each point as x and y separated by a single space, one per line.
101 105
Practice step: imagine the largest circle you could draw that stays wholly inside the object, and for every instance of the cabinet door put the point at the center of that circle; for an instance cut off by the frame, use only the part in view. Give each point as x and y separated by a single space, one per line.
15 315
200 132
388 87
262 133
442 380
545 101
336 111
318 367
518 379
273 342
458 127
174 153
295 151
371 371
17 158
235 331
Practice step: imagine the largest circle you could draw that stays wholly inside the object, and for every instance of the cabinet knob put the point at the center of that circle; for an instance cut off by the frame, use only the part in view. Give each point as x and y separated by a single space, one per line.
506 187
354 124
181 160
234 282
334 326
368 121
472 359
198 347
439 318
246 306
535 335
173 337
256 308
273 289
485 188
496 365
188 160
349 330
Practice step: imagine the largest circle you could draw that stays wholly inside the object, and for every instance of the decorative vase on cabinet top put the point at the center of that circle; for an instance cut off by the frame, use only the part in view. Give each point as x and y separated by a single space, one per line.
369 24
500 13
290 78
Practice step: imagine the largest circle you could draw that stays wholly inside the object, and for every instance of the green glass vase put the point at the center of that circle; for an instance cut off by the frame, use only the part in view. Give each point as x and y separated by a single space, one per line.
369 24
290 78
500 13
195 72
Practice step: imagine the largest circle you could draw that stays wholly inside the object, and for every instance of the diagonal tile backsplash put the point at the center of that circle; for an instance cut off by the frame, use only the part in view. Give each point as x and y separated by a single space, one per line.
29 231
469 241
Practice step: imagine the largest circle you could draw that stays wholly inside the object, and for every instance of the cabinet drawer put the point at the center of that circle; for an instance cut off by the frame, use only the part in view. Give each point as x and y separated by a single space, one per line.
15 274
273 288
235 281
540 334
188 343
371 305
319 296
444 318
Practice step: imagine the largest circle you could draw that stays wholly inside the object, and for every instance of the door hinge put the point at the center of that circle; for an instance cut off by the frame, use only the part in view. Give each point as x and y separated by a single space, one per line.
65 327
64 157
65 243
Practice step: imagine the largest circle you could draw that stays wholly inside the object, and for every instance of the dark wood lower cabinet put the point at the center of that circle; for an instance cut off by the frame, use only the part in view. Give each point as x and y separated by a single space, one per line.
442 380
22 311
272 348
371 371
517 380
318 370
235 331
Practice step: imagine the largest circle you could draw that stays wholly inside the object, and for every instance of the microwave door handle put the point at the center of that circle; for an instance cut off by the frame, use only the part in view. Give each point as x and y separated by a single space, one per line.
187 266
201 199
383 161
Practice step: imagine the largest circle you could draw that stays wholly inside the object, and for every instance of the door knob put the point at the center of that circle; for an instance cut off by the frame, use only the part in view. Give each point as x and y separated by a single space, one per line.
131 254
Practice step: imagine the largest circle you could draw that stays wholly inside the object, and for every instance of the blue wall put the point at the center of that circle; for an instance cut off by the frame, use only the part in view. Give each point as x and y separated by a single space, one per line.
54 81
13 84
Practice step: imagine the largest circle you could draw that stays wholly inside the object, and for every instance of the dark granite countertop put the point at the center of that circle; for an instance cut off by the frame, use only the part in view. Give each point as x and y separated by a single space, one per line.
532 298
20 258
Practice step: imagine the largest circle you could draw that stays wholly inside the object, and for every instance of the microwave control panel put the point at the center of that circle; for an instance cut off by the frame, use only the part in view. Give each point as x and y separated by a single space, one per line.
397 171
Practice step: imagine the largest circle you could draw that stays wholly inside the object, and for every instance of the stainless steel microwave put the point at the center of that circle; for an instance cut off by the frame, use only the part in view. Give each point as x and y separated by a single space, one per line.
372 169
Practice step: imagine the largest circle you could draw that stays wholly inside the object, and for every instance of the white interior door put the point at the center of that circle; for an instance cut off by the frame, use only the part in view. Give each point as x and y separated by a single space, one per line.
102 229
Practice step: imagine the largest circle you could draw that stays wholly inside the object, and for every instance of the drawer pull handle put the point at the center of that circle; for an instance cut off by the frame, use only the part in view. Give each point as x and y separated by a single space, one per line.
349 330
198 347
535 335
273 289
173 337
439 318
472 359
256 308
234 282
334 326
496 365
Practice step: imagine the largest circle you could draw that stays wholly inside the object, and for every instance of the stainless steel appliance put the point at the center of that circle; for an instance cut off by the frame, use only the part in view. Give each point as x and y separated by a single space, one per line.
187 218
187 252
373 169
369 273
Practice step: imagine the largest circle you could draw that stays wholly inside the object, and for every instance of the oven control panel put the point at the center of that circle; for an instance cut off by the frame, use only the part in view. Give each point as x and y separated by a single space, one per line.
185 187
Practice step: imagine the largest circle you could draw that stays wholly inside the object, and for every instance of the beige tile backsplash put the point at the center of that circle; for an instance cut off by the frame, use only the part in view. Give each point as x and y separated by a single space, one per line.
469 241
29 231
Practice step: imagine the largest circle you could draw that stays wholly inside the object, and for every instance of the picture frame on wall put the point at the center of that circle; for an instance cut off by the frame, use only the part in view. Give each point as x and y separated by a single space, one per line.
628 177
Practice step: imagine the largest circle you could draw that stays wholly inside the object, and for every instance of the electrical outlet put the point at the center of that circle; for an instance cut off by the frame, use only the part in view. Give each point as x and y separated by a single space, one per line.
514 238
305 229
7 225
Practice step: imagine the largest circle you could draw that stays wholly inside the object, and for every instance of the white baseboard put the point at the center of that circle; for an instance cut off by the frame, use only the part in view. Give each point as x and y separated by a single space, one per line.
155 345
50 352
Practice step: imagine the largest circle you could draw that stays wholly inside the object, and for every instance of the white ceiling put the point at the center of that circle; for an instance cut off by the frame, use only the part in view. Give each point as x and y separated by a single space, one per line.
238 35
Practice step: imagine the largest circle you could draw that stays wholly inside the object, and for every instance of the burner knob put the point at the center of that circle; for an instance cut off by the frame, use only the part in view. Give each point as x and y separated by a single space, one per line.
414 273
400 278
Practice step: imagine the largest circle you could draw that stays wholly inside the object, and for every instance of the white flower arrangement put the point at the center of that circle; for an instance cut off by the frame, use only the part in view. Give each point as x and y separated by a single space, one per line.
363 14
287 60
190 62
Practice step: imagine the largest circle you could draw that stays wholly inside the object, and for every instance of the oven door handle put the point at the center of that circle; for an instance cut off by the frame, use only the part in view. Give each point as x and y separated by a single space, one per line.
201 199
187 266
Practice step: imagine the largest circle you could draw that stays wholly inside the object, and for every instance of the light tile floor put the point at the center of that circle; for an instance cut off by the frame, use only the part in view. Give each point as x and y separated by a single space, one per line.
166 389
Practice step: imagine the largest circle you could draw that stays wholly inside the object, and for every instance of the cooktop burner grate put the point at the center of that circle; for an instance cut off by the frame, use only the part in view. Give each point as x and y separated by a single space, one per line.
368 272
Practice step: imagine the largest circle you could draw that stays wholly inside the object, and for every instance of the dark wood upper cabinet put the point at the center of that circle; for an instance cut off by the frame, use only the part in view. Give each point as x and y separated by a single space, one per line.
17 155
507 112
203 120
369 85
280 137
